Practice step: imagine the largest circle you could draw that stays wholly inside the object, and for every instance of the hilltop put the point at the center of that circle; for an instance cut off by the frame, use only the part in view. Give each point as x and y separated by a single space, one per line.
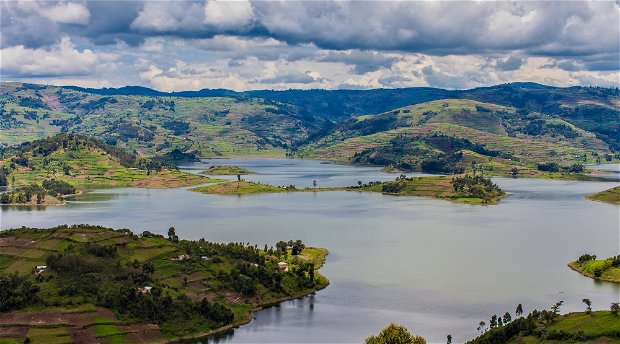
86 284
60 165
511 123
451 136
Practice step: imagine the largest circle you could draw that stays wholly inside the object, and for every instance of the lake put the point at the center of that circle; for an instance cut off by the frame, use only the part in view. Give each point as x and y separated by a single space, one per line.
435 266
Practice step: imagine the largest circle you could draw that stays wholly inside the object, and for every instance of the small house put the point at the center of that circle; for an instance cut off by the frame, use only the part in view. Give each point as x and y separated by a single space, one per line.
145 290
39 269
204 258
181 258
283 266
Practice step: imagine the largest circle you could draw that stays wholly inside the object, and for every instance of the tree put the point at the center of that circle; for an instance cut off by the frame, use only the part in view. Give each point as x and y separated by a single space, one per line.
588 305
481 326
148 268
556 308
395 334
297 247
238 177
514 171
615 308
314 183
449 341
519 310
493 321
171 233
507 318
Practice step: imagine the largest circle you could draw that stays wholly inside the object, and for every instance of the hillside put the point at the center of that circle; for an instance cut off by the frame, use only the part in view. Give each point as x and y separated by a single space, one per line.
574 122
61 164
452 135
86 284
210 126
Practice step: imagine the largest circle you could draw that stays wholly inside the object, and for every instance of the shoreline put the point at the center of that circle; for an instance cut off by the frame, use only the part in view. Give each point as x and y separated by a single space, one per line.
248 319
586 274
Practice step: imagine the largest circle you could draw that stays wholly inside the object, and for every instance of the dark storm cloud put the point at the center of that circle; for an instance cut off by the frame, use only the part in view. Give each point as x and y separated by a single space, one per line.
550 28
364 61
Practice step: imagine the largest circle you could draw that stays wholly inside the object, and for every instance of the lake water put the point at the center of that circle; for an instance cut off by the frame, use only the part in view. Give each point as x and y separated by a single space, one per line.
435 266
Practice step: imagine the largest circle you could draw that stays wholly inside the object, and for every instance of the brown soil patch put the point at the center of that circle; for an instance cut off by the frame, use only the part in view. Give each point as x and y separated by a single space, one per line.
16 242
13 332
142 333
82 336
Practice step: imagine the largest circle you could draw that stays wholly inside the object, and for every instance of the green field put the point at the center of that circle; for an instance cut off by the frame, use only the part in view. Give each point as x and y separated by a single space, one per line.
601 269
608 196
227 170
91 286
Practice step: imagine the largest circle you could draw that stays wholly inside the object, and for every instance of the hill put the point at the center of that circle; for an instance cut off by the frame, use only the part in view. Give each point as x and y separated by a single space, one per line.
56 166
452 135
222 123
154 125
86 284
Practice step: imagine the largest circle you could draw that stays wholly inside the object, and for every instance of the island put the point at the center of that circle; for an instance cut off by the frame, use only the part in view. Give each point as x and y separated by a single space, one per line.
608 196
85 284
46 171
601 269
227 170
470 189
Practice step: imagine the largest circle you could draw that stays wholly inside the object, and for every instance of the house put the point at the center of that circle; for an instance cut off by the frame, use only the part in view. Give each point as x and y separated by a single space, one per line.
181 258
145 290
283 266
204 258
39 269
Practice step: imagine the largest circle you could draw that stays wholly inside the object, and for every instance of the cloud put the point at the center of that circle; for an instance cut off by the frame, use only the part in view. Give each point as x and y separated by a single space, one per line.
292 77
62 59
364 61
228 15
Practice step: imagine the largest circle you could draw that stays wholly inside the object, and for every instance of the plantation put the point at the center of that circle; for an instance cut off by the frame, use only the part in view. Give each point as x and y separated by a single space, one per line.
112 285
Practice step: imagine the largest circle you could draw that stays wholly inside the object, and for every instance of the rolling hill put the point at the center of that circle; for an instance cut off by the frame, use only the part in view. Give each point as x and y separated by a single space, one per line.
513 124
61 164
449 135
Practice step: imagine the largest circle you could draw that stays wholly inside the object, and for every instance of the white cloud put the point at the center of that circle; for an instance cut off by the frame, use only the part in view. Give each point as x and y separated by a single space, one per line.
228 15
62 59
59 12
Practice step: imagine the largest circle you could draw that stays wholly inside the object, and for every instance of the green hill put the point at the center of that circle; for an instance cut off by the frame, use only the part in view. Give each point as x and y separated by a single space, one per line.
609 196
452 134
153 125
62 163
90 284
529 122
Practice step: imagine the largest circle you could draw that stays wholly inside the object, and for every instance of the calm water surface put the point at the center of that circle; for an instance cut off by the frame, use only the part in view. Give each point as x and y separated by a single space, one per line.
435 266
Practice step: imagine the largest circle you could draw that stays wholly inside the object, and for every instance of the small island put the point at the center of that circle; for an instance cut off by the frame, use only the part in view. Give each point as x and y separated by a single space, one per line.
601 269
608 196
471 189
243 187
46 171
227 170
87 284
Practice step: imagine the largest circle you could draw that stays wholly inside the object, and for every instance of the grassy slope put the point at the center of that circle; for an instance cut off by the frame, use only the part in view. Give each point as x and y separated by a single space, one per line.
227 170
214 126
247 188
462 119
609 273
26 249
609 196
596 325
436 187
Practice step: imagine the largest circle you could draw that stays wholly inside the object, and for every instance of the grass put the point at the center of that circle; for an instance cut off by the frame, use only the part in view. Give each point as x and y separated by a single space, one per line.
608 196
57 335
227 170
436 187
589 269
594 324
240 188
202 276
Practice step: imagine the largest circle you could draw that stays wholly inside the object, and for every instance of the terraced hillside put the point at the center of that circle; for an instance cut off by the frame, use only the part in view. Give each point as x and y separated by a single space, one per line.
42 171
90 284
452 134
211 126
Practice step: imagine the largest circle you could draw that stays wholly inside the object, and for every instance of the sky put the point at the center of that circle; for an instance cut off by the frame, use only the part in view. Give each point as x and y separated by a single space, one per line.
246 45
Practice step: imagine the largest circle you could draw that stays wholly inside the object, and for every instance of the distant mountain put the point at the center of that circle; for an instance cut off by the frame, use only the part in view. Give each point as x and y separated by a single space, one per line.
221 123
